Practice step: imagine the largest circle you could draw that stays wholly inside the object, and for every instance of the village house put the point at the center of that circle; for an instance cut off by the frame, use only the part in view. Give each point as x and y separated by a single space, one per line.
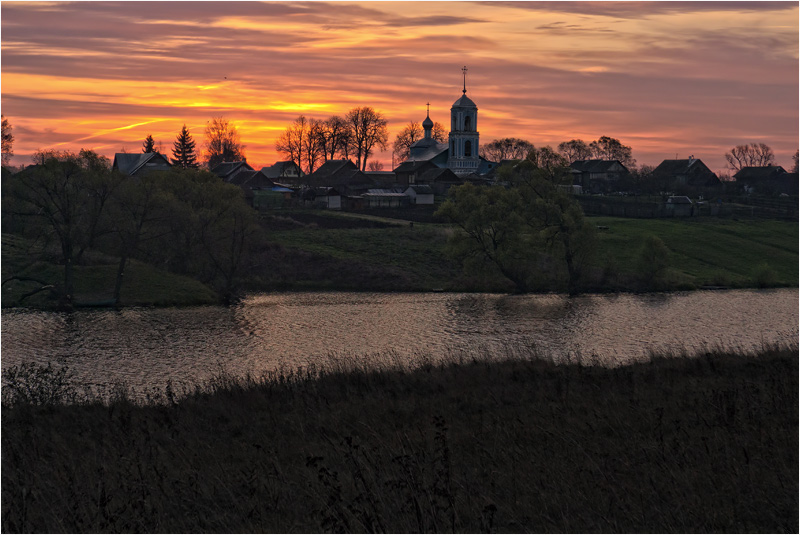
597 176
284 172
140 164
768 180
689 172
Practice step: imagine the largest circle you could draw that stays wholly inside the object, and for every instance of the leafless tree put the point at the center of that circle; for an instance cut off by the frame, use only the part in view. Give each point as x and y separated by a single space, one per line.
410 134
375 165
369 129
223 143
575 150
750 155
8 142
335 138
609 148
509 148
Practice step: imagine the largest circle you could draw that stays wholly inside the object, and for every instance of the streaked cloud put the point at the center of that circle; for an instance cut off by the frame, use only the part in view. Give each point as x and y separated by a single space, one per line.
664 77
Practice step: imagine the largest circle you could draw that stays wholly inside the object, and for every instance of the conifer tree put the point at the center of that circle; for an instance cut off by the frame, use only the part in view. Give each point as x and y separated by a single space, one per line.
183 150
149 145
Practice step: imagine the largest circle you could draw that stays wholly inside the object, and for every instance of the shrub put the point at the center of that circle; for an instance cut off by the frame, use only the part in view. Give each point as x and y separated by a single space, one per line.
653 260
764 276
34 384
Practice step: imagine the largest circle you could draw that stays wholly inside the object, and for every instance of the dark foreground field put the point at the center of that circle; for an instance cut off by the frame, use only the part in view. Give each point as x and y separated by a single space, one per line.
706 444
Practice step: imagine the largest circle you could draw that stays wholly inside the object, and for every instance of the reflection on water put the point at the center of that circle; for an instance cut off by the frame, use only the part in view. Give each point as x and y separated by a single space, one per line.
146 347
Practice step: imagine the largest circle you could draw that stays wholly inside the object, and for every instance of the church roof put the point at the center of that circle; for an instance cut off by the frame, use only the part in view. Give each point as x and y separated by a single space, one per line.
427 123
464 102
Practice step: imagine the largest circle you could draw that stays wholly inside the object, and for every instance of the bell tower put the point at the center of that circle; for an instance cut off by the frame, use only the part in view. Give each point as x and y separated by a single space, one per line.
464 137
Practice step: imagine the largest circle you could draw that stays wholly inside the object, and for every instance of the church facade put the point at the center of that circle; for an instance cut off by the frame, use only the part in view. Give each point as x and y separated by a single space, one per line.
461 154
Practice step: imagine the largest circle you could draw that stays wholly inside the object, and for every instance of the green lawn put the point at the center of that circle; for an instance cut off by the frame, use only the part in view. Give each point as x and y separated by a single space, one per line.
707 251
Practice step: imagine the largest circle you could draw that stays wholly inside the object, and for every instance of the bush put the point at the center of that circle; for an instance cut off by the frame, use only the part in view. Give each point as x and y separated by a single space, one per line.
764 276
34 384
653 260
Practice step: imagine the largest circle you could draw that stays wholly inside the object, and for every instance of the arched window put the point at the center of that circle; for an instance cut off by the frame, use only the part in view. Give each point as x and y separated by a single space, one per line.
468 148
467 123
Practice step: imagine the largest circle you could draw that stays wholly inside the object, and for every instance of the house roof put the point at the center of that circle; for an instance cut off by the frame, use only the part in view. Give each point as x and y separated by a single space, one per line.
226 170
421 189
130 164
595 166
251 179
439 174
277 169
410 166
759 173
338 173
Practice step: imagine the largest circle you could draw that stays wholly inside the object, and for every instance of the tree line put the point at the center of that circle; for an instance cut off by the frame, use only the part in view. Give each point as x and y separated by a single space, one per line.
185 220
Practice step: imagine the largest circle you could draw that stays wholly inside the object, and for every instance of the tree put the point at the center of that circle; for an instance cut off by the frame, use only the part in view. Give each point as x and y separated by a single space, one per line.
148 145
303 143
369 129
375 166
183 154
68 194
410 134
314 144
509 148
512 228
223 143
795 161
609 148
8 141
335 138
575 150
553 165
750 155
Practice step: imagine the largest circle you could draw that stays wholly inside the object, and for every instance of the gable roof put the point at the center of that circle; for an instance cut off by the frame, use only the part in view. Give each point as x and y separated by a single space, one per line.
338 173
410 166
226 170
759 173
595 166
251 179
130 164
278 169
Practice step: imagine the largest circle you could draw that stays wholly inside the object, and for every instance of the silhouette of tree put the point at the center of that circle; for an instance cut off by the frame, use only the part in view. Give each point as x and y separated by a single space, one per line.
574 150
8 141
410 134
795 161
148 145
509 148
750 155
369 129
183 154
609 148
335 138
375 166
223 143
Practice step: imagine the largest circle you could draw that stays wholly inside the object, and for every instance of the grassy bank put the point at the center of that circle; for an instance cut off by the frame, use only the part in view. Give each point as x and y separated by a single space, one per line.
144 284
705 444
398 256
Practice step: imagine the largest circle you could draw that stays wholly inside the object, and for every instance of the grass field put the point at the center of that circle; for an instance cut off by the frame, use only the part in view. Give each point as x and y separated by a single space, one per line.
144 285
677 445
703 252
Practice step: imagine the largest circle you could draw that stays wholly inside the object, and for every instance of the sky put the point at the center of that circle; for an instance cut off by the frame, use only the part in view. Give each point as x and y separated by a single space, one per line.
669 79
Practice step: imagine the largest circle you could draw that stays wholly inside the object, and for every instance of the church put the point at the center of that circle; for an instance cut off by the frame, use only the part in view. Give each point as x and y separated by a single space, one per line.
427 157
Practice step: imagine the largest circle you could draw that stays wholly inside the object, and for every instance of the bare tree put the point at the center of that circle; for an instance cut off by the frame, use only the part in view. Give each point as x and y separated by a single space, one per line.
369 129
795 161
290 142
335 138
410 134
609 148
8 141
575 150
750 155
313 144
508 148
375 165
223 143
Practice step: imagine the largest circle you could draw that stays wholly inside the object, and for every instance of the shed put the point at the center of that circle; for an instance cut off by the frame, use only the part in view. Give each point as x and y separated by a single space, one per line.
420 194
386 198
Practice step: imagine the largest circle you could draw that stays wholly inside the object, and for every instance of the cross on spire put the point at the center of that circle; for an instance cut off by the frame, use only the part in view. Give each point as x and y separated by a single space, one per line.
464 70
429 108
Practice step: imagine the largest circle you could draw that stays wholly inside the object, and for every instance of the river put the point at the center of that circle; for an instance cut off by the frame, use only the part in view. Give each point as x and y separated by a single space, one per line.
143 348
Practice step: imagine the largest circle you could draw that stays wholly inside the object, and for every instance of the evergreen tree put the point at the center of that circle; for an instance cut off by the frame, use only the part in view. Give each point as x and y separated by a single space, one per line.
183 150
149 145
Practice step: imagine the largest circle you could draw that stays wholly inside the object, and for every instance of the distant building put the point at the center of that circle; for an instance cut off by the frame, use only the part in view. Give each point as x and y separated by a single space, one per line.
460 154
284 171
769 180
597 176
140 164
343 175
689 172
227 171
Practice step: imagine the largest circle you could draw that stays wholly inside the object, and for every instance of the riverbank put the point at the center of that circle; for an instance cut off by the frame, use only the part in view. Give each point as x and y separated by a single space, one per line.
307 250
706 444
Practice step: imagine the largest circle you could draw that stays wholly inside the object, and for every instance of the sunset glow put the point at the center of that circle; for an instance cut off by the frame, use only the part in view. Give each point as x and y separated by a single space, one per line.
667 78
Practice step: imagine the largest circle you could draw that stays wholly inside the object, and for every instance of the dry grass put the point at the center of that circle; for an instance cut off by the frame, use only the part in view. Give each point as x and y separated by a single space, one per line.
704 444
